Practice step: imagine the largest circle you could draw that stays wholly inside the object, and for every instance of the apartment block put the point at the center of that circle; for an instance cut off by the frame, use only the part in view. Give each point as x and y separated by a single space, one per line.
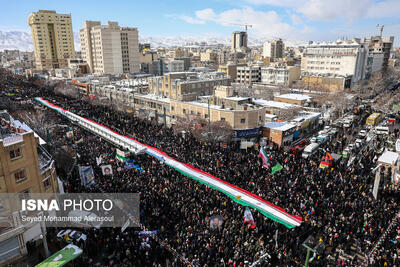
186 86
25 167
248 74
280 74
273 49
52 38
110 49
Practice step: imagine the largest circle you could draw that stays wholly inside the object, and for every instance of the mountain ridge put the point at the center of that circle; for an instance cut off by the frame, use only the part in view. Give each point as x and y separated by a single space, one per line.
22 40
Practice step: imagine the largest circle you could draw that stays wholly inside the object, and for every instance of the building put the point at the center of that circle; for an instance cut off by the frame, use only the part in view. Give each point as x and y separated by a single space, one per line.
229 70
25 167
209 56
275 107
144 47
186 86
382 44
281 133
239 41
187 62
344 58
110 49
295 99
146 60
176 66
273 49
248 74
52 37
241 113
279 74
326 82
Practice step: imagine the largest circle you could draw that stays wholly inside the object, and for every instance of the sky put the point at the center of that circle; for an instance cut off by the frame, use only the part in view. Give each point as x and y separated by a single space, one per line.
317 20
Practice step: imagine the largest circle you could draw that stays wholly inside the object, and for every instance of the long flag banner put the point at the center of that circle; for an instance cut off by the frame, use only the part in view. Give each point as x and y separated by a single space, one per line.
264 157
62 257
237 194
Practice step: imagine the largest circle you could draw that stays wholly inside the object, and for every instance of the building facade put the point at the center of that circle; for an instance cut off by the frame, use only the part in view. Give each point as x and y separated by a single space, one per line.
273 49
344 58
25 167
176 66
248 74
280 74
186 86
110 49
382 44
52 37
239 41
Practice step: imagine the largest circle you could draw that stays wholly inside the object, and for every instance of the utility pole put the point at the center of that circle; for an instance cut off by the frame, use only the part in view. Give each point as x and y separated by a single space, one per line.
209 117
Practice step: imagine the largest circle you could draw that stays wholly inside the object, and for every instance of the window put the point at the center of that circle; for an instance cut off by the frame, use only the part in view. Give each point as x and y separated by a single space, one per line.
15 154
20 176
242 120
172 108
184 111
206 116
222 119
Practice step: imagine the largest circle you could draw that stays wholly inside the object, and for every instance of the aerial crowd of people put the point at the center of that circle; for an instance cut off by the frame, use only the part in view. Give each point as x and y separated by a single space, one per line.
336 204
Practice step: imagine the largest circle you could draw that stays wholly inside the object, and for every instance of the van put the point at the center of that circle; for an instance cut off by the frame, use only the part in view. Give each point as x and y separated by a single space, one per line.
309 150
381 130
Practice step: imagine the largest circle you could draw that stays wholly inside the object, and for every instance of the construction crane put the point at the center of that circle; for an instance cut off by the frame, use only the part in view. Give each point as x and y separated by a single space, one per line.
381 30
243 25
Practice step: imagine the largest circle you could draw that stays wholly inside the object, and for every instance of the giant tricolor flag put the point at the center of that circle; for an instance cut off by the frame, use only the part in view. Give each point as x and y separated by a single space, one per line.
237 194
264 157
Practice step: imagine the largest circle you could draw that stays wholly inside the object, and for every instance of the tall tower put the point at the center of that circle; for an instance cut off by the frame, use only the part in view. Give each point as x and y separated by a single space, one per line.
53 38
110 49
239 40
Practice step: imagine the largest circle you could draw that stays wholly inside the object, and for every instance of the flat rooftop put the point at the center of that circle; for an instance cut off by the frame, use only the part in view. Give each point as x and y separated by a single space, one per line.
295 97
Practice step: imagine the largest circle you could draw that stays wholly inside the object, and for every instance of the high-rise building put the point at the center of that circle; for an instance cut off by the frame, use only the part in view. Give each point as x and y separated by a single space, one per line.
273 49
239 40
110 49
52 37
377 44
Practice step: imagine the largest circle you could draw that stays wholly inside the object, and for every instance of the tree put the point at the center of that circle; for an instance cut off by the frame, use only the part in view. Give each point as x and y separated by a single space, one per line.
62 88
290 113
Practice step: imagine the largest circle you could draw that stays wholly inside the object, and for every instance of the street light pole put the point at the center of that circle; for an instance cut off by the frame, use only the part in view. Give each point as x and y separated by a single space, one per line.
209 117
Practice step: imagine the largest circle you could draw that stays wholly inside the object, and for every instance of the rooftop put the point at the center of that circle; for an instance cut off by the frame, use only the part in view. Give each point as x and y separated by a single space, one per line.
295 97
274 104
280 126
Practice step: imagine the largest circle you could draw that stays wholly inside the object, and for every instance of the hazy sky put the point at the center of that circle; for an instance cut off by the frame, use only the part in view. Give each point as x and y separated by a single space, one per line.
319 20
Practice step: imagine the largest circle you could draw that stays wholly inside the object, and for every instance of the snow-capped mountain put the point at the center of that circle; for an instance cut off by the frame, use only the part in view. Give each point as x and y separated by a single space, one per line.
22 40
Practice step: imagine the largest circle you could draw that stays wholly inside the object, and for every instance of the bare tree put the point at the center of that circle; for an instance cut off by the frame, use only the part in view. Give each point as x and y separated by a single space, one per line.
62 88
290 113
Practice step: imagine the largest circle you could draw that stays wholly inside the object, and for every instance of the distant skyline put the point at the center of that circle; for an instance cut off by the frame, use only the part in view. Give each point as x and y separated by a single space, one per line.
317 20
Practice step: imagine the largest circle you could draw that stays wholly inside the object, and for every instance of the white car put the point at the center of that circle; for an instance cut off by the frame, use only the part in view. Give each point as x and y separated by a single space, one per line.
72 235
313 140
362 133
350 147
359 142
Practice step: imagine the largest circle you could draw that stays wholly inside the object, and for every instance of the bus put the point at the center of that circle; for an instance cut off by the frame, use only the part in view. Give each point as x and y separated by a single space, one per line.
373 119
382 130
